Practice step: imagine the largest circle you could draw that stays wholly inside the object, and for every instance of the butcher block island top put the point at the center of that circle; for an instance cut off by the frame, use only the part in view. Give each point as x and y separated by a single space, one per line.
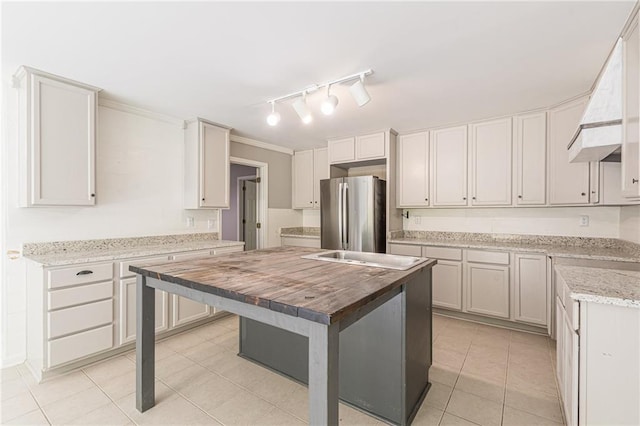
280 280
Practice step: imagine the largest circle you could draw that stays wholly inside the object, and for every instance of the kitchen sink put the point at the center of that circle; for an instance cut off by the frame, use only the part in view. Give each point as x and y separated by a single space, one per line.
377 260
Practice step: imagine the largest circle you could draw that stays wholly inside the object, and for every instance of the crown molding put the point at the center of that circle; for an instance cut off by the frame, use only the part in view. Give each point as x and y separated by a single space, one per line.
260 144
119 106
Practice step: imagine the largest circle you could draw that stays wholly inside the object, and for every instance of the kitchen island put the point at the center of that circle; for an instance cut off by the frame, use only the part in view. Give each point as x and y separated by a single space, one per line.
314 299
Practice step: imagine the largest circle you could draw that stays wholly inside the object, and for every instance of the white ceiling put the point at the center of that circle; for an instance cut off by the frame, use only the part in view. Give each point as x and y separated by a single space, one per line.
435 63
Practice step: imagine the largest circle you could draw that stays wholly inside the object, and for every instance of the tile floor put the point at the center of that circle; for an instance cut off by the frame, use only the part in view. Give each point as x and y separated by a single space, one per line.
481 375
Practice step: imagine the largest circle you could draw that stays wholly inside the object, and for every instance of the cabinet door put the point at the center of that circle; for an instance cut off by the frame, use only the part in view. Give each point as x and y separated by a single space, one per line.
63 144
487 289
447 285
530 134
531 288
491 163
303 183
185 310
631 113
610 185
568 182
128 310
370 147
342 150
559 345
214 166
449 166
320 172
413 170
570 371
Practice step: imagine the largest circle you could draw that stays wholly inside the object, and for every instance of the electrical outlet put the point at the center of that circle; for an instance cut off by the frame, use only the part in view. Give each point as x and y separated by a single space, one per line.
416 220
211 223
584 220
190 222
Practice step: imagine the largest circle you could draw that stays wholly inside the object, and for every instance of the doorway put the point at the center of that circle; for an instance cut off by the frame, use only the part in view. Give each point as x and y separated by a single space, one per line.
247 211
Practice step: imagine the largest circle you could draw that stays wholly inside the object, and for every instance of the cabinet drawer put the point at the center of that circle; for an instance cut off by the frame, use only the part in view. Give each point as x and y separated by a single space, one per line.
124 266
482 256
79 345
405 250
78 295
226 250
66 321
443 253
80 274
190 255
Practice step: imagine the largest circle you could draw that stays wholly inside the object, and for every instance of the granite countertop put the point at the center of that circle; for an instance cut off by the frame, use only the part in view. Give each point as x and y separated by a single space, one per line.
570 247
301 232
72 252
609 286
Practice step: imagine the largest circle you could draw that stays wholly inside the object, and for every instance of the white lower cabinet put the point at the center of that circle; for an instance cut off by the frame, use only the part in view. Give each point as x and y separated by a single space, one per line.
447 285
128 311
531 288
487 289
186 310
300 242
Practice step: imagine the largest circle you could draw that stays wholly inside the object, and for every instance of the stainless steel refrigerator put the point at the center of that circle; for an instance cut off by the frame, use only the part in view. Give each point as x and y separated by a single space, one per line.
353 214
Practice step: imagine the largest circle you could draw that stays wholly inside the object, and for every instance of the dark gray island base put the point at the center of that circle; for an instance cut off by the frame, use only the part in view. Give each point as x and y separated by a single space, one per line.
373 324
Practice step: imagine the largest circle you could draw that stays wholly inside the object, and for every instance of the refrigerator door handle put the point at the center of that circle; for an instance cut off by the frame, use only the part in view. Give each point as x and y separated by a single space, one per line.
345 215
340 215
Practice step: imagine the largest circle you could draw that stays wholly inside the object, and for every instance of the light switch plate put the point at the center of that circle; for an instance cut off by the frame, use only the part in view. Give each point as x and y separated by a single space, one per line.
416 220
584 220
190 222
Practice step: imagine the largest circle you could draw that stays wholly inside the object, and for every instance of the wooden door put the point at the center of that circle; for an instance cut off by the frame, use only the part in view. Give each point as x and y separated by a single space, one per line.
449 166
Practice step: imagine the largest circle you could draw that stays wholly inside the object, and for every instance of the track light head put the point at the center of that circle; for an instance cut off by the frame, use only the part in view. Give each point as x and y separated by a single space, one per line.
330 103
274 118
301 108
359 93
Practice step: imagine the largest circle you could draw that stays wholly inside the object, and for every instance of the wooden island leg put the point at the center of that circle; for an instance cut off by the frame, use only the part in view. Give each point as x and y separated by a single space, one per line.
145 344
323 374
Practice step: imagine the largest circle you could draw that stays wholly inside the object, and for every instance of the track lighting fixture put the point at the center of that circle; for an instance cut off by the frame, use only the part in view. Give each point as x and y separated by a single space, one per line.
273 118
329 104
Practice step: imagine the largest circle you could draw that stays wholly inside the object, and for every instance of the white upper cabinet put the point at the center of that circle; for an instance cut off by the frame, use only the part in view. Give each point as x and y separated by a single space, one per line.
631 112
568 182
206 155
449 166
374 146
413 170
309 168
530 159
57 131
491 163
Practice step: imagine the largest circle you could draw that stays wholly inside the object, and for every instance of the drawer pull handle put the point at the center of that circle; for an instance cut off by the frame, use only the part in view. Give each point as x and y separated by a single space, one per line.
85 272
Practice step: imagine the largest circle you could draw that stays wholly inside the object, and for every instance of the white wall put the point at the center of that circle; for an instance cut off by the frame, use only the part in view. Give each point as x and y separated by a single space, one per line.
311 218
630 223
603 221
281 218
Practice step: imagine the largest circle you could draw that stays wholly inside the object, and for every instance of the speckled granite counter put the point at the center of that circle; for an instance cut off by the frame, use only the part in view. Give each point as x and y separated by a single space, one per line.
60 253
609 249
301 232
609 286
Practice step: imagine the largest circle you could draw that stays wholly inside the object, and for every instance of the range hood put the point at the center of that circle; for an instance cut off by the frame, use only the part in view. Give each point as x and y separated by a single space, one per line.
599 135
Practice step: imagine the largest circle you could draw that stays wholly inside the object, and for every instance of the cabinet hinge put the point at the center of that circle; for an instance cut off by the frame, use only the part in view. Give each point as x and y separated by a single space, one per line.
258 180
258 225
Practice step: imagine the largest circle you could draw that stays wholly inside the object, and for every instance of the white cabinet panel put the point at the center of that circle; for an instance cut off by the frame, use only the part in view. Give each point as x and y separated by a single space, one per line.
611 185
487 289
300 242
57 130
491 163
128 310
71 320
71 348
82 274
82 294
369 147
185 310
206 169
447 284
320 172
631 112
405 250
568 182
342 150
531 288
303 182
530 145
413 170
449 166
486 256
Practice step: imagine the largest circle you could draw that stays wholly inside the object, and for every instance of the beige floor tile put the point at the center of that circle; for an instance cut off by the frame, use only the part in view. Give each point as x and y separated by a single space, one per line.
494 353
9 373
538 403
230 321
119 386
451 420
276 389
174 411
524 380
453 343
526 350
17 406
515 417
109 414
297 404
75 406
438 395
246 374
59 388
444 374
204 351
485 368
212 393
190 376
162 393
33 418
223 362
229 340
109 369
12 388
280 417
475 409
536 340
211 330
183 341
488 388
162 351
242 409
351 416
172 364
427 415
448 357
